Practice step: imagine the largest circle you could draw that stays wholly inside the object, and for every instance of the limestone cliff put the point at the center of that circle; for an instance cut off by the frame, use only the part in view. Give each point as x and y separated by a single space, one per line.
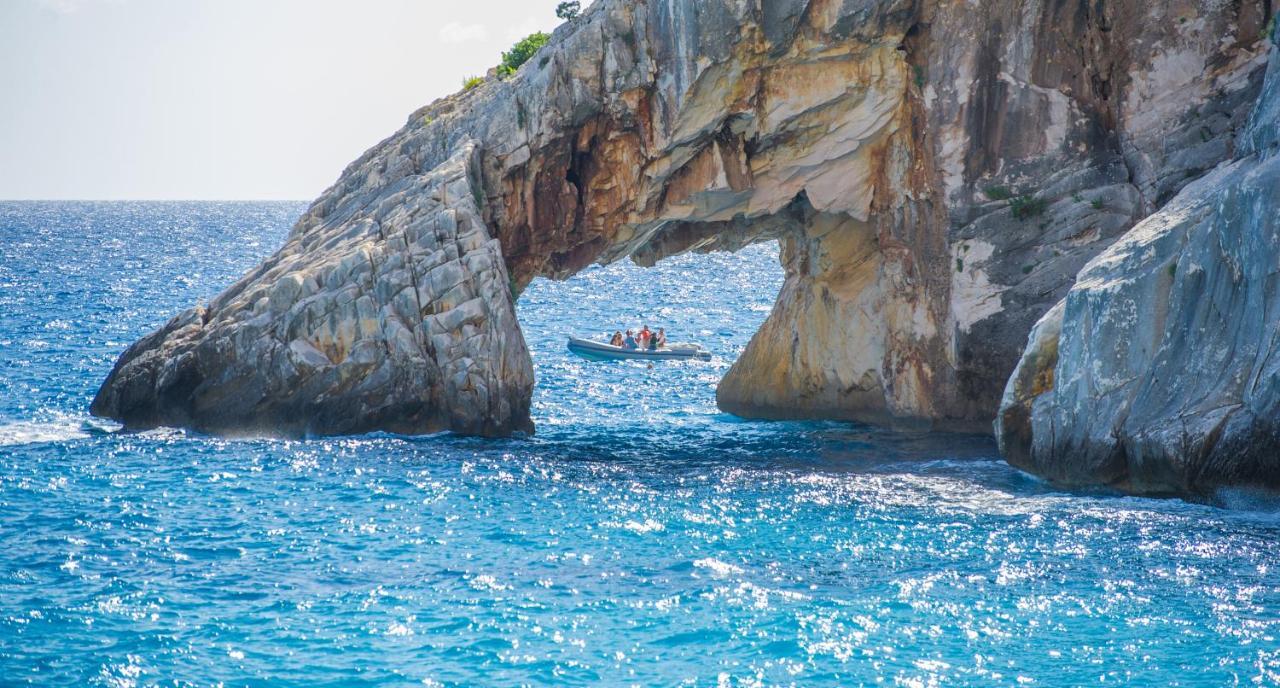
1158 372
937 173
358 323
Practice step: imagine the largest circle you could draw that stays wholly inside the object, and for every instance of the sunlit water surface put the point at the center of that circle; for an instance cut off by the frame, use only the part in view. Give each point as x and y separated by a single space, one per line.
641 537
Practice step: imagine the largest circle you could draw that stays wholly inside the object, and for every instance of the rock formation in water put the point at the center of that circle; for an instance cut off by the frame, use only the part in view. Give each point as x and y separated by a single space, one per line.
366 321
936 172
1160 370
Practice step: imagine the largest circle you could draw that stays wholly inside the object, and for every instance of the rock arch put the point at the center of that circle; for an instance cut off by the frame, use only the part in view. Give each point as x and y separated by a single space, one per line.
842 129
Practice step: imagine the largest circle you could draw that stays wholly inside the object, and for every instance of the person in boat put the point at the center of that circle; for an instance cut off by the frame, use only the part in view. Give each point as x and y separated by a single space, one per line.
629 342
653 342
661 338
616 340
644 337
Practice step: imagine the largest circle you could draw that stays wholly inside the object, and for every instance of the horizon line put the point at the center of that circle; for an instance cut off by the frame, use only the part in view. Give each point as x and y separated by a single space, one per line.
156 200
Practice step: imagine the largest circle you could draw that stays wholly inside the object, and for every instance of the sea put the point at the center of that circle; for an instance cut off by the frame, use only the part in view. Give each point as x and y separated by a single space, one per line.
640 537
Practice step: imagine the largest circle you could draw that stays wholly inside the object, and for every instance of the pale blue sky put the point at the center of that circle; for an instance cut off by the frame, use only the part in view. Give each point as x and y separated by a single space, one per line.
226 99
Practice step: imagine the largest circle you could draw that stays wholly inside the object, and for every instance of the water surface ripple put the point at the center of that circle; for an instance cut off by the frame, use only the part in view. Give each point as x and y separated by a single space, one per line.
641 537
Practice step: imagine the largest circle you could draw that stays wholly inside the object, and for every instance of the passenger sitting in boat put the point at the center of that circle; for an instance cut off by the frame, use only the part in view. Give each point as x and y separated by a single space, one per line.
661 338
629 342
653 342
644 337
616 340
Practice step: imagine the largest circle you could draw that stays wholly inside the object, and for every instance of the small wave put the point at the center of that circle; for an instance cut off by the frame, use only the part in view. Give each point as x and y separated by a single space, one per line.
55 428
1248 499
717 567
42 432
640 527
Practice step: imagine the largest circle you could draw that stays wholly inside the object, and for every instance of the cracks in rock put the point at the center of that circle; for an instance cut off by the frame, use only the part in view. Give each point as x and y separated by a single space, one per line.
409 262
576 174
602 73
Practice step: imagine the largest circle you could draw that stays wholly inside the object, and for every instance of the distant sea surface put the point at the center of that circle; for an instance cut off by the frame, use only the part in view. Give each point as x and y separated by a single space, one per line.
640 538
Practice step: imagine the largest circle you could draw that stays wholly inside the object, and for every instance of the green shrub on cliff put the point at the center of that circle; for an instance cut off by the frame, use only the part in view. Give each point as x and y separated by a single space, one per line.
568 11
471 82
998 193
1026 206
521 52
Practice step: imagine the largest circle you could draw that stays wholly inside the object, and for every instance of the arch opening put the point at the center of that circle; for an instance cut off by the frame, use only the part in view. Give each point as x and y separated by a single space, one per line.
820 351
717 299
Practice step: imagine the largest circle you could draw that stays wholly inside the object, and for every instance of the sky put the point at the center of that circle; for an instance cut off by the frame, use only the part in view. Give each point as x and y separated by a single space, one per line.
226 99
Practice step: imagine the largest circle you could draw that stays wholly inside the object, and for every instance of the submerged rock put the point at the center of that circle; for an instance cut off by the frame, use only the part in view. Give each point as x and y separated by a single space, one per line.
1159 371
937 174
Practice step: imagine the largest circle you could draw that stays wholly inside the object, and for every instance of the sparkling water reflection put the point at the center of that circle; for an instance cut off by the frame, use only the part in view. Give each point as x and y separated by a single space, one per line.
641 537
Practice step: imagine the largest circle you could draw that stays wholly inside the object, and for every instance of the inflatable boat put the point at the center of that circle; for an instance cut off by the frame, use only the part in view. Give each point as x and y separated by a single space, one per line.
608 352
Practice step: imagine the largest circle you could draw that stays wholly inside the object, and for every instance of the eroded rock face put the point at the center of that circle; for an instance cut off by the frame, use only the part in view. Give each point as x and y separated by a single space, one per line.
937 172
1158 372
364 321
1089 116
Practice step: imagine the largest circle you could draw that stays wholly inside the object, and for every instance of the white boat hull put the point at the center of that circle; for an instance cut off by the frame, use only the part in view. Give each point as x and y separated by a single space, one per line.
607 352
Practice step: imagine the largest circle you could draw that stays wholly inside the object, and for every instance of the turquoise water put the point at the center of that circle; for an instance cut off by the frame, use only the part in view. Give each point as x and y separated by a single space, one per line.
640 538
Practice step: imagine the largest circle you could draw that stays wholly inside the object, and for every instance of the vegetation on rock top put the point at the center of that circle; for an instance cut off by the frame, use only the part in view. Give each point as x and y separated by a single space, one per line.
520 53
568 11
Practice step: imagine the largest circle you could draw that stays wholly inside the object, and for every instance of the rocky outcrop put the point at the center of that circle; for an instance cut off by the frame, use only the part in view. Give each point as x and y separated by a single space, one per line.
1159 371
363 321
937 173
